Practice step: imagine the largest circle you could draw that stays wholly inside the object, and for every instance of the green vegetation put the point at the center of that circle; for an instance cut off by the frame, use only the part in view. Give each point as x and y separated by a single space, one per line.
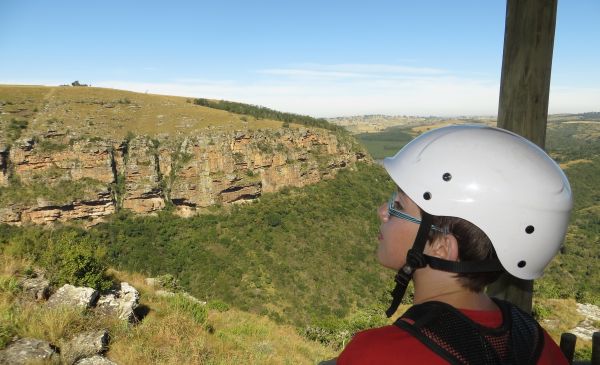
337 332
15 127
387 143
261 112
185 305
275 265
70 257
59 192
263 257
46 146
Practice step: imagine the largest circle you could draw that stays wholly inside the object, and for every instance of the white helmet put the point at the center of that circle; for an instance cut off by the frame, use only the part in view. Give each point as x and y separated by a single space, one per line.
499 181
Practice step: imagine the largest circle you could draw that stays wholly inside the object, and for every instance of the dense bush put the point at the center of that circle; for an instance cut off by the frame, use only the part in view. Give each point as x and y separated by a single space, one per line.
385 144
298 254
261 112
336 332
69 256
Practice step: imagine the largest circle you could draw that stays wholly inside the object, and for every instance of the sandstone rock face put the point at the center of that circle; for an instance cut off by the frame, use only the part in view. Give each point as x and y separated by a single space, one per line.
50 160
84 345
69 295
27 350
120 303
142 177
90 178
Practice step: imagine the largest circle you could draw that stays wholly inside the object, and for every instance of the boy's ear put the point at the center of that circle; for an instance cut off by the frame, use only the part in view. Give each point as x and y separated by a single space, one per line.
445 247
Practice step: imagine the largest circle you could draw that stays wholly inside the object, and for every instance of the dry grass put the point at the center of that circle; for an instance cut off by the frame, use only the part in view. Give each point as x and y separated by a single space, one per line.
113 113
10 265
563 317
566 165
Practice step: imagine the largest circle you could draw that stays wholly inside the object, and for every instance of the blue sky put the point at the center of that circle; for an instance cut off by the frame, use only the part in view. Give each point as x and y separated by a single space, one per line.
321 58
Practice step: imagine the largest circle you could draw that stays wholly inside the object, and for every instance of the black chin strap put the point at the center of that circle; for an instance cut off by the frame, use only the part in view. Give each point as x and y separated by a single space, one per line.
414 260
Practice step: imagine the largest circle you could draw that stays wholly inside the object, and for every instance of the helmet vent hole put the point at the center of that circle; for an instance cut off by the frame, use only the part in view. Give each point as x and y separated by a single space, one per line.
447 176
521 264
529 229
427 195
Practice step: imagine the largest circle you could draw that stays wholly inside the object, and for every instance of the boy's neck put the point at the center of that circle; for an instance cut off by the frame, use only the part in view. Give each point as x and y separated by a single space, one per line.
433 285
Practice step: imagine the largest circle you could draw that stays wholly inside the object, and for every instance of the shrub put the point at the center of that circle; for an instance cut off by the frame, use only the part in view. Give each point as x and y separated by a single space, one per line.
9 285
73 259
183 304
218 305
15 127
168 282
337 332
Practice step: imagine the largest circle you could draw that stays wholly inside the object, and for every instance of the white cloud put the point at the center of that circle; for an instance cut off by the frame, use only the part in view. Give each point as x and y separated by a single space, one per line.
345 89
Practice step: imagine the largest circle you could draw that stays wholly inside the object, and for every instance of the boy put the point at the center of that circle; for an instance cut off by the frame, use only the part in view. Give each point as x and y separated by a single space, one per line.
472 201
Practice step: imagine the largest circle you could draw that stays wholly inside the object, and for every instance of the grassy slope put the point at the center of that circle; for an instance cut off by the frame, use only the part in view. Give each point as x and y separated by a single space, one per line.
113 113
167 335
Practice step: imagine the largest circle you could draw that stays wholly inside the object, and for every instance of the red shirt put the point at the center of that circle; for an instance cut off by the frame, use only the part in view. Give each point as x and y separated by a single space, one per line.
392 345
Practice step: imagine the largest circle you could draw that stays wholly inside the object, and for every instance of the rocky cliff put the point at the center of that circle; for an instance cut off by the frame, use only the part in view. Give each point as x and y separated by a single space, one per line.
56 176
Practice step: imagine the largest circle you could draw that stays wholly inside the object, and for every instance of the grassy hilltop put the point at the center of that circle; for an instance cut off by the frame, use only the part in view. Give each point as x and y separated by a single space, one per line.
99 112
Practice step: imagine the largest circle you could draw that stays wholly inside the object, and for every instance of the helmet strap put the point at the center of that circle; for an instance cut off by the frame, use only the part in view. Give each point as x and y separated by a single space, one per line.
414 260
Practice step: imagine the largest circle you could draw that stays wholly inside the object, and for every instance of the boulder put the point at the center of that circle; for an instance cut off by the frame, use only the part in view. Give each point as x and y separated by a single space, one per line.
29 350
95 360
84 345
37 287
71 296
120 303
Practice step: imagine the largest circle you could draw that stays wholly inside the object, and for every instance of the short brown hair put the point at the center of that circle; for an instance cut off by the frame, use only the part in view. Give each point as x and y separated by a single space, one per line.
473 245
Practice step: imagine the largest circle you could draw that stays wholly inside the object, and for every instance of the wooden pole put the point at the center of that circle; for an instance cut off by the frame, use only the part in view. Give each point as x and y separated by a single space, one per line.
524 93
595 348
567 345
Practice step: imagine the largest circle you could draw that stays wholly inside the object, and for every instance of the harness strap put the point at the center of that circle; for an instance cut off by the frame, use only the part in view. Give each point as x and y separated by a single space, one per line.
458 340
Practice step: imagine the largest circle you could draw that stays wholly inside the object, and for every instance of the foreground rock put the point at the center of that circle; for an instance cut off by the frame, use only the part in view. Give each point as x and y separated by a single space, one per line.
71 296
95 360
36 287
586 328
121 303
85 345
27 351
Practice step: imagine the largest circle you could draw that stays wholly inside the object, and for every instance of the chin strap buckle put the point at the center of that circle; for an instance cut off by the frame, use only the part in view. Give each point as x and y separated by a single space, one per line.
414 260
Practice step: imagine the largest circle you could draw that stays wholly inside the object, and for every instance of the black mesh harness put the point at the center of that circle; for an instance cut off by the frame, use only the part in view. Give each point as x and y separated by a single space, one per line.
459 340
